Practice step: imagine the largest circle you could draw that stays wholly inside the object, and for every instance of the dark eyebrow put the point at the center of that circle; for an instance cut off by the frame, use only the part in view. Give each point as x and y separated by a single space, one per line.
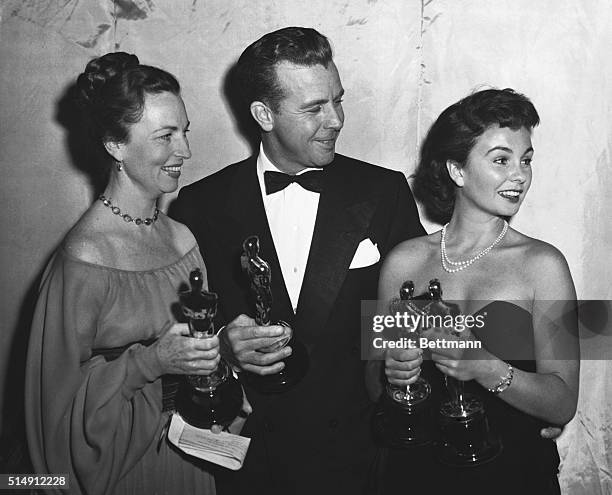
167 128
507 150
171 128
313 103
321 101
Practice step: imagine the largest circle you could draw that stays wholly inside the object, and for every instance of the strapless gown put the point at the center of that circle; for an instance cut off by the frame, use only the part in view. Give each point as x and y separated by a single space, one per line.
528 464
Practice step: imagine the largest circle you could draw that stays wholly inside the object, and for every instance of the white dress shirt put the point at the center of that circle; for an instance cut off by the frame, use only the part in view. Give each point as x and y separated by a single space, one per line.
291 216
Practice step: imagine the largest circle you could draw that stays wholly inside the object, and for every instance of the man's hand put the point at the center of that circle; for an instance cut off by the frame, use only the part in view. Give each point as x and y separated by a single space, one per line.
551 432
241 341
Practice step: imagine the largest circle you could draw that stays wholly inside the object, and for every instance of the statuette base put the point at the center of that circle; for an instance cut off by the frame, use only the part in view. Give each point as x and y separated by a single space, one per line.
466 438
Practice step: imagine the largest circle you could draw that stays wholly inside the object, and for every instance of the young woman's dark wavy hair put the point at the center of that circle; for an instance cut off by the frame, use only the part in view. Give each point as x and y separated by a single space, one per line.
452 137
112 90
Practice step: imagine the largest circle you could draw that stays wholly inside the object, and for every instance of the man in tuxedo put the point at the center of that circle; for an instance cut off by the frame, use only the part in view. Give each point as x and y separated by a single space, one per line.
324 221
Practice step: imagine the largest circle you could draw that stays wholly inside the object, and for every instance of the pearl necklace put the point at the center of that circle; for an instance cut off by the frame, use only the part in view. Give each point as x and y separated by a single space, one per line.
128 218
457 266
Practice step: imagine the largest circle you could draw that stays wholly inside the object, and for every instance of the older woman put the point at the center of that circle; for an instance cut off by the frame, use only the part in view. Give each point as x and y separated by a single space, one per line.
103 332
474 173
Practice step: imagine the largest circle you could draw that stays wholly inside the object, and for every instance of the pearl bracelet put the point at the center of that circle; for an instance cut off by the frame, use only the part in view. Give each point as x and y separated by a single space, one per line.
504 383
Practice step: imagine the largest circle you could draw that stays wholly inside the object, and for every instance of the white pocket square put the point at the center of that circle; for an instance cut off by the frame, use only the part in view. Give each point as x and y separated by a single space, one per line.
366 255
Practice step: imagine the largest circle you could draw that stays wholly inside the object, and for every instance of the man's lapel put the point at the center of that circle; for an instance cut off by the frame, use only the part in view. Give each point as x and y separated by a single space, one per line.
245 206
345 210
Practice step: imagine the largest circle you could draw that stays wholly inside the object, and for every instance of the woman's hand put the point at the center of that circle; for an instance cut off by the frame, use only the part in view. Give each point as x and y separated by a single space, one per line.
462 364
460 368
402 366
180 354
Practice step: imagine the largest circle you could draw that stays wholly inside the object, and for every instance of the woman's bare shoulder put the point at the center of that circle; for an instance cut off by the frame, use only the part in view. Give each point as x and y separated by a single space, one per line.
540 255
84 241
183 238
414 249
410 256
547 268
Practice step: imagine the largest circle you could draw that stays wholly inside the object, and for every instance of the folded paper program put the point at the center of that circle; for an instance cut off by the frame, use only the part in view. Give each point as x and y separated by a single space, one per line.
224 449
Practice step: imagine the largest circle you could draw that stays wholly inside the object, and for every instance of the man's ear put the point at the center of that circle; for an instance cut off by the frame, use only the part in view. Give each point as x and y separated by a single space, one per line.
114 149
263 115
455 170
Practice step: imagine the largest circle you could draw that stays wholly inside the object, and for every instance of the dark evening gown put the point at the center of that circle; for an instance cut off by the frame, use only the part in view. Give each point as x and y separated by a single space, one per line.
527 464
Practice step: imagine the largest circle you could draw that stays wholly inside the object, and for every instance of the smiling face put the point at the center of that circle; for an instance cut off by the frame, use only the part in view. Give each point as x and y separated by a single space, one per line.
497 173
157 145
303 132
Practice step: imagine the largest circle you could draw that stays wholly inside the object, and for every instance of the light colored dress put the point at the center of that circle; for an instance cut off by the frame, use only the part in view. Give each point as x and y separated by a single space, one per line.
98 420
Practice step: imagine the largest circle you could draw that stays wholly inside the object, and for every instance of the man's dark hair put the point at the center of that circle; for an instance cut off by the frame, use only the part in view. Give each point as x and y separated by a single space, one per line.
454 134
256 67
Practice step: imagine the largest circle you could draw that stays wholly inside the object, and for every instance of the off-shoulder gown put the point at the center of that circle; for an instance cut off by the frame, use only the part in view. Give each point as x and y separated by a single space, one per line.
97 419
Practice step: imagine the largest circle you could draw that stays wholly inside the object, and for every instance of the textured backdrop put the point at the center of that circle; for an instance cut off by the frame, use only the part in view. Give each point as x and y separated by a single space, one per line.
401 62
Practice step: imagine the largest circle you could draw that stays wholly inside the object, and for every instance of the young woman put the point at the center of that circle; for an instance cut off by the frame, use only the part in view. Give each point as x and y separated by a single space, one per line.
474 173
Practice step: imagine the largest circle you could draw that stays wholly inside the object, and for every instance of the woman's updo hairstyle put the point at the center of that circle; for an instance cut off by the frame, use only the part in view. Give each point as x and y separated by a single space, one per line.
112 93
452 137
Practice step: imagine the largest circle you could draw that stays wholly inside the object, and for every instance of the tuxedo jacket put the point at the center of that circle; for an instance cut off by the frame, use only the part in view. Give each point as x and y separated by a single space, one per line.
316 437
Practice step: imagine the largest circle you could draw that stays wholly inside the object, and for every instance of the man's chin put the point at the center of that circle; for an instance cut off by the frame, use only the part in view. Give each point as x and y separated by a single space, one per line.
324 160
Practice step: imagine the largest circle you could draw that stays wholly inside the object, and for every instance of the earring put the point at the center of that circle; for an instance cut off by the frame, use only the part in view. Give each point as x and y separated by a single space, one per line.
119 165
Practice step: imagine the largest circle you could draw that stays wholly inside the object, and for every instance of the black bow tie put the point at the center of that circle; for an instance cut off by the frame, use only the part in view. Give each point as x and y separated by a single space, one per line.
277 181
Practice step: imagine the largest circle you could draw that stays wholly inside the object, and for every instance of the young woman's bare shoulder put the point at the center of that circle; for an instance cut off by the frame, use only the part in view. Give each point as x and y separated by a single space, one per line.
416 245
541 255
548 270
412 250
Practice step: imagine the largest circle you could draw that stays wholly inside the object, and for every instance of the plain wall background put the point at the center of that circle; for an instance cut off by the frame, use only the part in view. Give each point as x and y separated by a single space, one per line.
401 63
